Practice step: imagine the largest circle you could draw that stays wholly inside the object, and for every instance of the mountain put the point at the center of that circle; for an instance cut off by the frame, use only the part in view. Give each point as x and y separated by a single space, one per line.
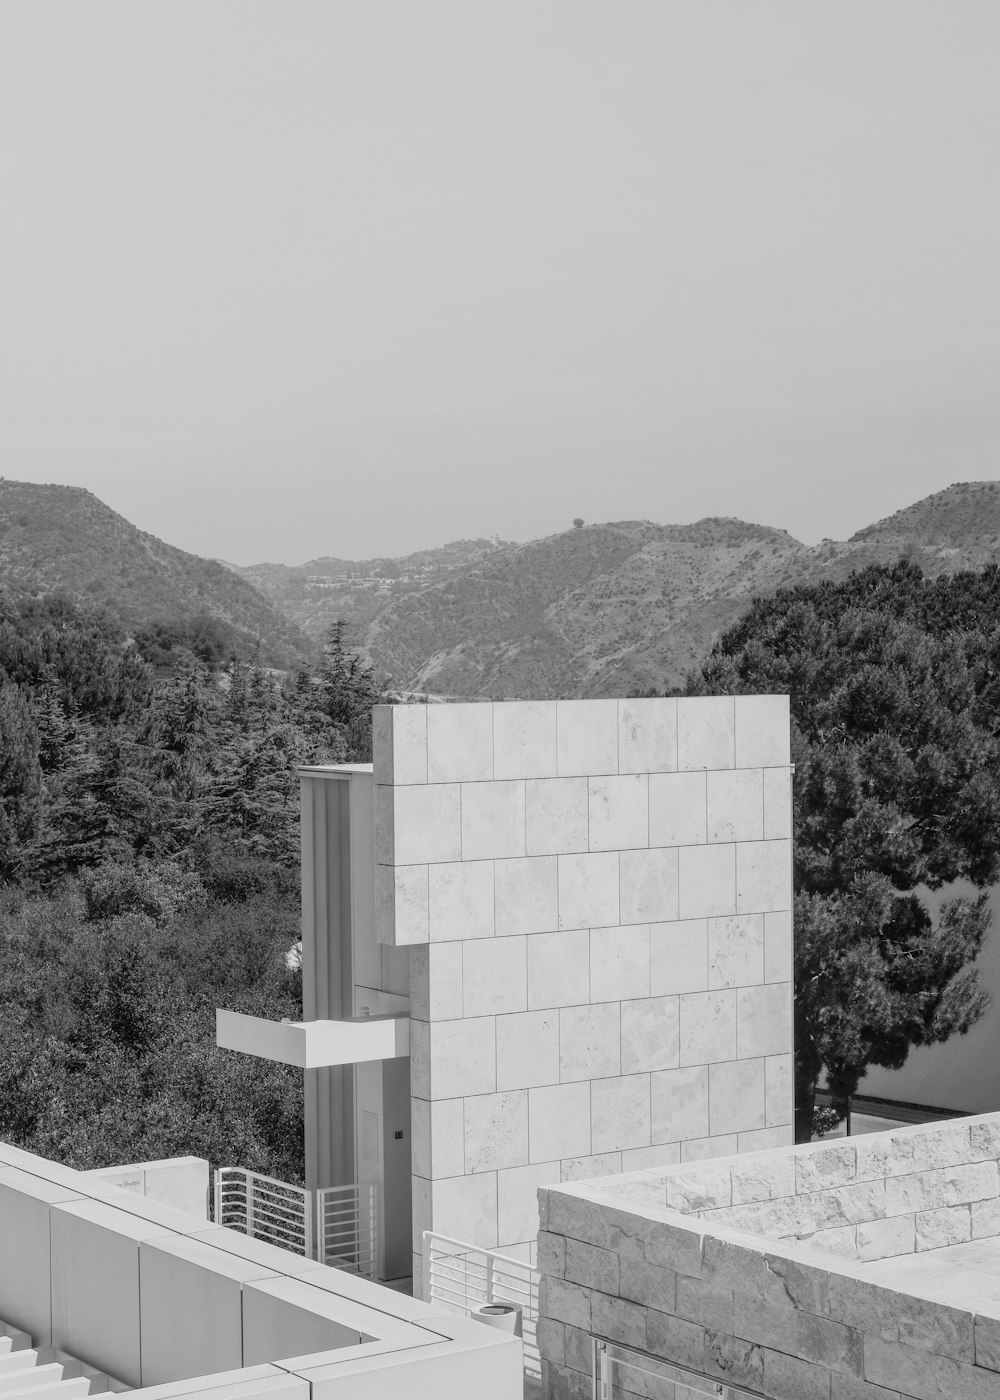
609 609
63 537
323 591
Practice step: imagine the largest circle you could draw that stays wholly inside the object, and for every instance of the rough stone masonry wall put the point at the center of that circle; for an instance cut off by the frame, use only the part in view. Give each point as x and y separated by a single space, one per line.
780 1318
871 1198
597 898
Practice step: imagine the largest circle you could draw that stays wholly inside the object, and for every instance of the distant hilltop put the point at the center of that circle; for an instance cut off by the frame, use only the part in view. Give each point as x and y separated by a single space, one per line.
64 538
604 609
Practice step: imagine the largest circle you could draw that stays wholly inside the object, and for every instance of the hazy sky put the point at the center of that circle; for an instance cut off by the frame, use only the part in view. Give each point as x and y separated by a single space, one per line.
359 276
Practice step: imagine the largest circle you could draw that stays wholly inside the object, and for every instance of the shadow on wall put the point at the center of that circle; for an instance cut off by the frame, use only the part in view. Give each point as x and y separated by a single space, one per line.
961 1073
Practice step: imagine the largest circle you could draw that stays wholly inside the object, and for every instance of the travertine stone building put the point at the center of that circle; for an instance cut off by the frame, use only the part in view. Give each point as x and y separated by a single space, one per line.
597 899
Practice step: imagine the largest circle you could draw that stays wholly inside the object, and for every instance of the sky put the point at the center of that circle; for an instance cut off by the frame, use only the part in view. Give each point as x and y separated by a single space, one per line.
355 277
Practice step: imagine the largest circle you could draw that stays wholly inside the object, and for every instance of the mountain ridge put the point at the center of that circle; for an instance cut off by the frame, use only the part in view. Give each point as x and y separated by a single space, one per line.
629 605
55 537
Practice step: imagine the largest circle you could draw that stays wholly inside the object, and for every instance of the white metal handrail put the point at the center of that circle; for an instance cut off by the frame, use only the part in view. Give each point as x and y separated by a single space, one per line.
463 1276
346 1228
264 1208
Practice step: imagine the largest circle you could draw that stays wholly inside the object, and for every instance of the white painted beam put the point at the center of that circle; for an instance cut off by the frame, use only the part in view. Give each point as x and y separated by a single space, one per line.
314 1044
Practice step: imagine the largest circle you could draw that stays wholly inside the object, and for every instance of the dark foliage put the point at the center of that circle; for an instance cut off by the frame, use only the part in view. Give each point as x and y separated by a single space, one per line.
149 873
893 680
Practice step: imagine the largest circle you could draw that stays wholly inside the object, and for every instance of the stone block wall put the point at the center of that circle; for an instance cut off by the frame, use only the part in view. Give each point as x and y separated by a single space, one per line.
597 899
866 1199
646 1261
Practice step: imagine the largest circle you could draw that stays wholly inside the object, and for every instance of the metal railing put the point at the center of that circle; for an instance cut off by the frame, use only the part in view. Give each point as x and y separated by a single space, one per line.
621 1373
265 1209
346 1230
462 1276
345 1217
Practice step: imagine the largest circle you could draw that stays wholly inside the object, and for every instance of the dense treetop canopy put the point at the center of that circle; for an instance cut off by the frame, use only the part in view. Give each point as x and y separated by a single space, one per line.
148 873
893 680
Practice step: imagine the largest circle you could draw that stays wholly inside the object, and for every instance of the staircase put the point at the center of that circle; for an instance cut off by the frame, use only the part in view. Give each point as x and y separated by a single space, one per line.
29 1373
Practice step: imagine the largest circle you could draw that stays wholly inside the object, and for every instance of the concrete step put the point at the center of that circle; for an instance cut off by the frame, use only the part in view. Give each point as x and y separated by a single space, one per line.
75 1389
31 1378
18 1361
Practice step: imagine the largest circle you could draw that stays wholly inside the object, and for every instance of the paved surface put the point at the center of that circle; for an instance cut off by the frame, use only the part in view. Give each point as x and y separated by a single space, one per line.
966 1275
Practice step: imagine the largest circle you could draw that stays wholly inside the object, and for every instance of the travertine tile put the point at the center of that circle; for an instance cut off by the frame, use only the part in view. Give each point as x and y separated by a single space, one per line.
647 736
527 1049
706 881
736 951
465 1207
496 1130
650 1031
588 890
463 1057
559 968
587 737
762 731
427 824
438 1132
436 982
421 1202
517 1195
559 1121
777 803
401 904
678 957
420 1059
708 1027
494 976
763 876
384 837
705 732
589 1041
764 1139
527 895
619 962
637 1159
461 900
619 1112
619 812
736 1096
704 1149
779 1090
459 743
556 821
764 1020
679 1099
492 820
399 743
587 1168
648 883
524 739
736 805
678 809
778 946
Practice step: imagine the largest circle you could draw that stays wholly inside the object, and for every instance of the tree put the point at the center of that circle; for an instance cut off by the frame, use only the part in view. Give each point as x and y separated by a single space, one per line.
893 681
578 523
20 780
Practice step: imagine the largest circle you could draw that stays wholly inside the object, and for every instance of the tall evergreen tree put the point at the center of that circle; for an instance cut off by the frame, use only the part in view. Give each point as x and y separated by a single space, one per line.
892 680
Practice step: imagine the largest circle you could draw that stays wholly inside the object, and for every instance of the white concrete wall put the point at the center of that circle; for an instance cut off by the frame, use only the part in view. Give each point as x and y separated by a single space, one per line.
159 1299
181 1182
597 897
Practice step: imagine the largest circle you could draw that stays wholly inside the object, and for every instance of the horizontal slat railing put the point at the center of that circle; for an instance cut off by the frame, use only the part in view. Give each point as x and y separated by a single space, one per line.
463 1276
265 1208
346 1227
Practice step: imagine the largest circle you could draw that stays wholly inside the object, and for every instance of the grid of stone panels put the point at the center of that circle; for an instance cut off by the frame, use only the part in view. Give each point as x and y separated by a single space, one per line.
597 898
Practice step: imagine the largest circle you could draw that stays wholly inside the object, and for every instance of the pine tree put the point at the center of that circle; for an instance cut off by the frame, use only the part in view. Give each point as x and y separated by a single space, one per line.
896 743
